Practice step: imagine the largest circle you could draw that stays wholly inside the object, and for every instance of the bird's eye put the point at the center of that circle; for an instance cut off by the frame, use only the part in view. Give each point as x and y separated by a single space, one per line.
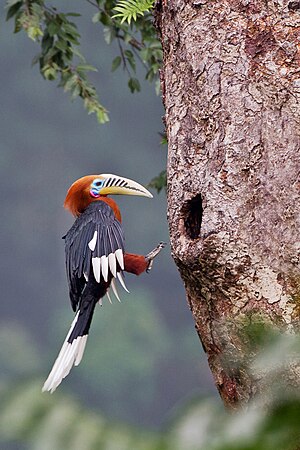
98 183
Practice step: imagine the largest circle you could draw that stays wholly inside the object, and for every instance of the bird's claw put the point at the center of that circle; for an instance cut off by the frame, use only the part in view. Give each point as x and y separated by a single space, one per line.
151 255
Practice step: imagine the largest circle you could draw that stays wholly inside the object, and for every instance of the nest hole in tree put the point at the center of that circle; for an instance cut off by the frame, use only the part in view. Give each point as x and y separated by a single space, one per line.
192 211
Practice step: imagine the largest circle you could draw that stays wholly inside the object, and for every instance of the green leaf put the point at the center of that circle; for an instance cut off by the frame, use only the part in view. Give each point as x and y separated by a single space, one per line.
128 54
109 34
144 54
10 3
53 28
86 68
134 85
71 29
71 82
127 10
34 32
18 26
96 17
77 53
116 63
61 45
105 19
47 43
75 92
102 116
50 73
159 182
69 37
130 58
13 9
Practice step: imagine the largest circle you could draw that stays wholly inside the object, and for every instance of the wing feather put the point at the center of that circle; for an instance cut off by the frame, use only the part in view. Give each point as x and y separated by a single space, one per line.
112 264
94 246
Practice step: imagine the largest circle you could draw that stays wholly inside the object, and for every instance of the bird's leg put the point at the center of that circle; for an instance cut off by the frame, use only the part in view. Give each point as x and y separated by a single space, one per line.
151 255
138 264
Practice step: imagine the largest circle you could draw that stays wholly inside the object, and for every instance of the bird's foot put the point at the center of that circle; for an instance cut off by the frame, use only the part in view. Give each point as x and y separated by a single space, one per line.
151 255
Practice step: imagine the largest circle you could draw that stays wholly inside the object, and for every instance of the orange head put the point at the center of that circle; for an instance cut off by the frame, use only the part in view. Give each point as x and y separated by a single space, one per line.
96 187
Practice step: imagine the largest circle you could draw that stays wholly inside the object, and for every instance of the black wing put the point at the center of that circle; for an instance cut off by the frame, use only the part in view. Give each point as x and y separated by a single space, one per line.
94 249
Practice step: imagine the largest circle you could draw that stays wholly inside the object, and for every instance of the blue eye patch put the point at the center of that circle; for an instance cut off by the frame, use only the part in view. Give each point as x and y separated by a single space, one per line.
96 186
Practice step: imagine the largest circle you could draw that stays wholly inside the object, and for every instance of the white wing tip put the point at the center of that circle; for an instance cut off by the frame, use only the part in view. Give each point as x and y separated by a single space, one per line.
122 282
120 257
114 288
104 267
93 241
96 268
112 264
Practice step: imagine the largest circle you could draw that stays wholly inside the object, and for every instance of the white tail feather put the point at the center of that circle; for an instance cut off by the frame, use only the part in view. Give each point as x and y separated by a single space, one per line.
69 355
81 349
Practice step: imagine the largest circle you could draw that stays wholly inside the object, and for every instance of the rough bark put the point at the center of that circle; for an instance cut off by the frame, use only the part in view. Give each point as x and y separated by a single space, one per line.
231 89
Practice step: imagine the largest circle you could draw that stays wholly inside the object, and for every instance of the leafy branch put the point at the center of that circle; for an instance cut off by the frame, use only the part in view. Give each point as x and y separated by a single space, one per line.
128 10
129 22
59 40
137 41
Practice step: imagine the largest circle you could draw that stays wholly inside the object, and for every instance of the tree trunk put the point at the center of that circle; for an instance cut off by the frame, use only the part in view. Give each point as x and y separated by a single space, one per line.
231 88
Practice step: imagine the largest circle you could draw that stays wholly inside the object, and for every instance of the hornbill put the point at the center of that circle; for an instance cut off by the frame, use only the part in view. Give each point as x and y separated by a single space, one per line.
95 259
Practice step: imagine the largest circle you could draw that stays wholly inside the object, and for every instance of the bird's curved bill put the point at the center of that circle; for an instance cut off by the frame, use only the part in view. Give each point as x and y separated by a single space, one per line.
116 185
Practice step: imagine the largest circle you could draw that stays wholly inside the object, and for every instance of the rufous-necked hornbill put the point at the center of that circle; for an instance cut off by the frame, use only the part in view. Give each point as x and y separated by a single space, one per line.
95 259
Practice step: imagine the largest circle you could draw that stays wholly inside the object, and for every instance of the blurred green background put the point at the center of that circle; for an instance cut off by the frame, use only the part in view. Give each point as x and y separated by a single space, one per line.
143 357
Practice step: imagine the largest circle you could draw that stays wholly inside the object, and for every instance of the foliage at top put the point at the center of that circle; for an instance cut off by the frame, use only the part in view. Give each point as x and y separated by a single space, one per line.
127 22
137 41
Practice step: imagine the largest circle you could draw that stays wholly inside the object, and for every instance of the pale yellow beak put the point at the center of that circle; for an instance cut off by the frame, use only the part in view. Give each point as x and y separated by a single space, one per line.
116 185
